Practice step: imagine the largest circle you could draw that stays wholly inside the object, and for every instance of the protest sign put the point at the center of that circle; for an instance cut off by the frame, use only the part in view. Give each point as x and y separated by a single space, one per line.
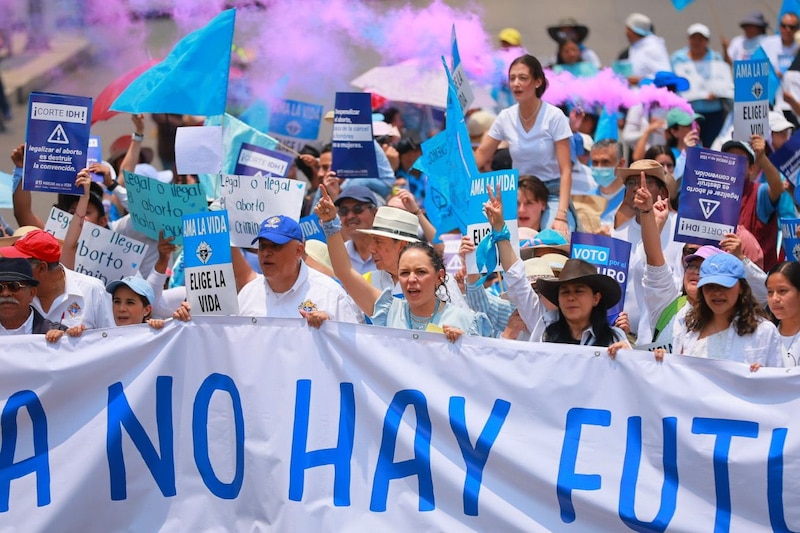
478 226
6 194
463 88
750 98
611 257
107 255
252 199
787 158
295 120
311 228
198 150
710 197
158 206
94 155
210 283
56 142
57 223
254 161
791 244
197 427
353 146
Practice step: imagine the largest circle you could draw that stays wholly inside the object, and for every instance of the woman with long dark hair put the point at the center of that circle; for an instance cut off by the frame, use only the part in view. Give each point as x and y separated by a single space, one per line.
783 299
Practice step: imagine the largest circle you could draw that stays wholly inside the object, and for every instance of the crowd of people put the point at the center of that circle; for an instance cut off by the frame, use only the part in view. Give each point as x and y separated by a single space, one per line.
382 263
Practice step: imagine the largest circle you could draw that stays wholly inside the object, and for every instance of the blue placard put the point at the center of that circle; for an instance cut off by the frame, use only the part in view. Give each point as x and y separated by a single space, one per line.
311 228
711 196
254 159
155 206
750 98
94 155
787 159
210 228
791 244
295 119
478 226
353 146
56 142
610 256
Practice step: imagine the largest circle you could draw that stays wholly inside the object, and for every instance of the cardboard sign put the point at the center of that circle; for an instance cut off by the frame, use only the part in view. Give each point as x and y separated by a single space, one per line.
478 226
251 199
210 284
158 206
257 161
750 98
107 255
711 195
611 257
57 142
353 146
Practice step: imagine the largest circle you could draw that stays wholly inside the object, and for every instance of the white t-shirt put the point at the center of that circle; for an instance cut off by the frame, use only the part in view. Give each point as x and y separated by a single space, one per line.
740 49
312 291
779 55
84 301
533 152
648 56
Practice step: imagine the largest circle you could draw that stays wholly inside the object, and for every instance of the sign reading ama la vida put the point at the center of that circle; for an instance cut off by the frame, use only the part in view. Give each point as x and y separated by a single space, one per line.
202 429
57 141
751 98
210 283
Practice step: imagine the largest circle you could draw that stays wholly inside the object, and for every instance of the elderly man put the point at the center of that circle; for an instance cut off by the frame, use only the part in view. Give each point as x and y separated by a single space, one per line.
17 291
606 158
64 296
782 48
287 288
356 207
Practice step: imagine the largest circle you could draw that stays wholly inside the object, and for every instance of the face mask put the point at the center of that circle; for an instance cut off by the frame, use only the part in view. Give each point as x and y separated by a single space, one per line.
604 176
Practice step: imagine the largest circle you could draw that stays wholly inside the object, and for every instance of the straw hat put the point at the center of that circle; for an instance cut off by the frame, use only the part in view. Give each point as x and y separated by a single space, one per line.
653 169
394 223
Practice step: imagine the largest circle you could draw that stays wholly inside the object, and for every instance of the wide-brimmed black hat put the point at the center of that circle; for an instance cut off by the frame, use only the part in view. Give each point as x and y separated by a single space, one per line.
579 271
558 35
17 269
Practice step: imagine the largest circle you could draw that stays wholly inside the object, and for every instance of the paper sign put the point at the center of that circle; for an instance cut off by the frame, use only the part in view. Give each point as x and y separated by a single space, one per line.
94 155
311 228
158 206
254 160
750 98
787 159
478 226
611 257
251 199
57 141
6 194
198 150
210 284
791 244
57 223
299 120
353 146
711 196
463 88
107 255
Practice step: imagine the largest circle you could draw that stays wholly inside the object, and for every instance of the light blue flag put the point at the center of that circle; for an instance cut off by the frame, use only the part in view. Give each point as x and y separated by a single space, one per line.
234 134
257 115
606 126
773 82
192 79
680 4
435 164
456 57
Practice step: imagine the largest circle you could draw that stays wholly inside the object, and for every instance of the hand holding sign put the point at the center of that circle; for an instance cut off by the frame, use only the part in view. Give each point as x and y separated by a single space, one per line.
732 244
494 208
758 144
18 156
165 251
325 208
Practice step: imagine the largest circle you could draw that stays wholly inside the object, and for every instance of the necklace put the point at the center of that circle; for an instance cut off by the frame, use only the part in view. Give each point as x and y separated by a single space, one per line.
420 322
788 347
533 116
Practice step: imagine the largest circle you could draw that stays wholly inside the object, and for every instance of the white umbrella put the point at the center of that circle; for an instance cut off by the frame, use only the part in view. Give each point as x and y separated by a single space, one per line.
416 83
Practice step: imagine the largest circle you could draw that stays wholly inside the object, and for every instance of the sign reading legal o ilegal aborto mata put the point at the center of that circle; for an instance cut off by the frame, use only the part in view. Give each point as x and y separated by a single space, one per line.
750 98
57 141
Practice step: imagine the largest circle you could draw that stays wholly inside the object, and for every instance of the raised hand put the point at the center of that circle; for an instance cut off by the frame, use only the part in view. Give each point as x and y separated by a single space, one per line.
325 209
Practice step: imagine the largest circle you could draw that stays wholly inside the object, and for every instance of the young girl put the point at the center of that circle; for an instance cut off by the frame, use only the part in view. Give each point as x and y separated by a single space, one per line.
783 298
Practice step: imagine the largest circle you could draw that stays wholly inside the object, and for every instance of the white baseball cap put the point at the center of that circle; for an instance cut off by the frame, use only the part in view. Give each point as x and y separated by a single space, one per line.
702 29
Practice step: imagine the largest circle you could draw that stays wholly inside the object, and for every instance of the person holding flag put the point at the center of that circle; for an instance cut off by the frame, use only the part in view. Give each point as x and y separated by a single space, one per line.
539 136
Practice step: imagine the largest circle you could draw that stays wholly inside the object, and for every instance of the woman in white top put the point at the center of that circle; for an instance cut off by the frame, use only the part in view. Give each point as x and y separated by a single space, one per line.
726 322
783 298
538 136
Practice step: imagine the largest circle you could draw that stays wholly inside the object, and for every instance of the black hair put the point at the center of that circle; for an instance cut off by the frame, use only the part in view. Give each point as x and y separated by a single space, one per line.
537 72
436 260
533 185
66 201
559 331
144 300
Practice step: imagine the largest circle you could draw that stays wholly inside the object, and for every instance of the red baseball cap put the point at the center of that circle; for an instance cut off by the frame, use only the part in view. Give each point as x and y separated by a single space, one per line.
36 244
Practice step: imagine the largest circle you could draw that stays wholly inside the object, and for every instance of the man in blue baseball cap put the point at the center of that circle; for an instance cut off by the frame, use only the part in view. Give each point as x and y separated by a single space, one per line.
287 287
357 206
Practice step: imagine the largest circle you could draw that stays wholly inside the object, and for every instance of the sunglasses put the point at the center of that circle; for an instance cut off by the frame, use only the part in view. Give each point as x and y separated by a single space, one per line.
792 27
12 286
356 209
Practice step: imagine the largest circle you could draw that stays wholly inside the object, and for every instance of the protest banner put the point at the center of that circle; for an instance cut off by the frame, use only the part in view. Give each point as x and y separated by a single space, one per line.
156 206
56 142
750 98
710 196
252 199
94 155
107 255
463 88
295 123
312 228
353 150
611 257
257 161
478 226
791 244
57 223
787 158
197 428
210 283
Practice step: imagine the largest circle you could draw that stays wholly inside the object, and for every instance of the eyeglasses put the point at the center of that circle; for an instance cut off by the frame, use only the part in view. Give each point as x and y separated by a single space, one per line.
693 267
792 27
12 286
356 209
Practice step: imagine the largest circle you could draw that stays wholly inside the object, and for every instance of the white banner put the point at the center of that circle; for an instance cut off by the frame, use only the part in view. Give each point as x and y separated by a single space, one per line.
233 424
